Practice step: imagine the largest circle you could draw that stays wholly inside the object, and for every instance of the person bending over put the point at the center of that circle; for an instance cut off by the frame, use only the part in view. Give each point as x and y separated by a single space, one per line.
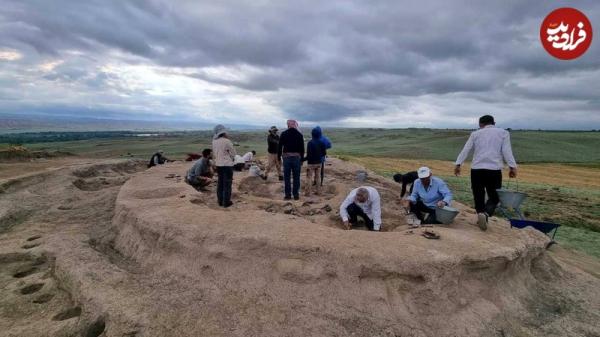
362 202
406 179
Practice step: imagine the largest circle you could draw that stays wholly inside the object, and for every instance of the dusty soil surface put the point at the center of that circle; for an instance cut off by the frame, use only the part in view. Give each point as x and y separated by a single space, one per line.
111 249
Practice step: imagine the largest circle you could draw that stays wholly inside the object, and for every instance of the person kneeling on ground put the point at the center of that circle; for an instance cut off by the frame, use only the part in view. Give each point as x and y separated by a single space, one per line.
158 159
315 151
238 163
201 173
249 159
362 202
406 179
428 193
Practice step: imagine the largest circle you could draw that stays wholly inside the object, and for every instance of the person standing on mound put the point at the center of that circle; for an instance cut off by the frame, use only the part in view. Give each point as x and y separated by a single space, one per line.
491 149
315 152
291 149
224 155
272 148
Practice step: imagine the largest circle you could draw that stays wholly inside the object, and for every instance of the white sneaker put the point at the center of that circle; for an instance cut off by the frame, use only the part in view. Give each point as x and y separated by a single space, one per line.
482 221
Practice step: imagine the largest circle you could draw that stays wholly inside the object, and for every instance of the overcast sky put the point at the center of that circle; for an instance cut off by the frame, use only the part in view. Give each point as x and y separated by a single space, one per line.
337 63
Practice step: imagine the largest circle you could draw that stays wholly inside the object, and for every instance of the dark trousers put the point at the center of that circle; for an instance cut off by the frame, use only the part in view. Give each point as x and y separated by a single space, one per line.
419 208
482 182
291 168
199 182
224 180
354 212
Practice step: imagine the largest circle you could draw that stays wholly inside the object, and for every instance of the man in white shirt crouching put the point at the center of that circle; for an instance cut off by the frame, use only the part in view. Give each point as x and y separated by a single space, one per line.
362 202
491 148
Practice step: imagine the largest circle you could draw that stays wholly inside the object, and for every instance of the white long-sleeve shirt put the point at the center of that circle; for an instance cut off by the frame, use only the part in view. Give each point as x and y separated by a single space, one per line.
491 148
249 156
372 207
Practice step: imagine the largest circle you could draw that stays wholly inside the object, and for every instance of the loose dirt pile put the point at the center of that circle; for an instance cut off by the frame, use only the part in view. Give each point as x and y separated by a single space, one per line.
100 250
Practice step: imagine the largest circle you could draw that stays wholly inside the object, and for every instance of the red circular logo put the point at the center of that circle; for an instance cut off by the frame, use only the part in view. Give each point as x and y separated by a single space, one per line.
566 33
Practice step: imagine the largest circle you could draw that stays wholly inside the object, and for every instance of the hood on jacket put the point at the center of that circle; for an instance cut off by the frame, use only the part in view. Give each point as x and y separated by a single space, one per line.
316 133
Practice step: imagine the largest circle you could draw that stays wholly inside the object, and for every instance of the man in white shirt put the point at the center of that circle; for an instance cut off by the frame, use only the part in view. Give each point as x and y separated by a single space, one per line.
362 202
244 162
491 148
249 156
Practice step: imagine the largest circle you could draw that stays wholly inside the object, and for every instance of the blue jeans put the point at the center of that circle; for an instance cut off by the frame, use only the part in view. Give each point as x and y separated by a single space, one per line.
291 166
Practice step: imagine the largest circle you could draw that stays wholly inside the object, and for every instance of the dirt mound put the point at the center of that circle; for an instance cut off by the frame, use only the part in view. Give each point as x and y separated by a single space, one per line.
109 170
20 153
161 259
291 263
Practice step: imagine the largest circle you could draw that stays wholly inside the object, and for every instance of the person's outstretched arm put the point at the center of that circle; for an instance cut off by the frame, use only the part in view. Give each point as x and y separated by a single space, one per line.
343 212
462 156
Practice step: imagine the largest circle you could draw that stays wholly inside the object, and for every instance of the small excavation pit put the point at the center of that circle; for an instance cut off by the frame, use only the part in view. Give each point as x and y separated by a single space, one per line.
68 314
32 288
25 272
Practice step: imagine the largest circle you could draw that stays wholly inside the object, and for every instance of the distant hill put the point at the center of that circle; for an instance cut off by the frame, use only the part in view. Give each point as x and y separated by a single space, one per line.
13 123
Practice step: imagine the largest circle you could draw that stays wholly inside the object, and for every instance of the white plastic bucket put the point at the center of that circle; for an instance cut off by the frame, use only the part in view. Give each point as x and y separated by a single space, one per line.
254 171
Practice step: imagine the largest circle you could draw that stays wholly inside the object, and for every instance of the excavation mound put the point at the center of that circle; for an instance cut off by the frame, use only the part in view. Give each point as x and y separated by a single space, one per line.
270 267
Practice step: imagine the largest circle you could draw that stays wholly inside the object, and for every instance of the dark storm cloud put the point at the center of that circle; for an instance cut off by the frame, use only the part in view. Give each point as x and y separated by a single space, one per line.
315 60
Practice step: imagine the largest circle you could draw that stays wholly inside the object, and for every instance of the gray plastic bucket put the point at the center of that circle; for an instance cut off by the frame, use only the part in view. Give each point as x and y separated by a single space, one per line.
511 199
446 214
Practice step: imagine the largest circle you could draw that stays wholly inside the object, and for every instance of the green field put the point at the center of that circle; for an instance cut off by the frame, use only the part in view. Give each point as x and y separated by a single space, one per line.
564 200
528 146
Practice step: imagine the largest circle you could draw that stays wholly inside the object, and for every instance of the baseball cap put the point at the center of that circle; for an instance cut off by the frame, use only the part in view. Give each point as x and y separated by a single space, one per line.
423 172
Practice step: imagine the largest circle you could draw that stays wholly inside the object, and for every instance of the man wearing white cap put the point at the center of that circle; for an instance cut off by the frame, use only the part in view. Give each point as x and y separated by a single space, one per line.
428 193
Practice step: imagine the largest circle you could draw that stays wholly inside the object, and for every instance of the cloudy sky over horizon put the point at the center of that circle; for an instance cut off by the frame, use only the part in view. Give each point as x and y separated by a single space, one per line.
349 63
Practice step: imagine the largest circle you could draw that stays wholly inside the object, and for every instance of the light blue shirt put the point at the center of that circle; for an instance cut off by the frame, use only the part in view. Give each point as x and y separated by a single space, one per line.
436 191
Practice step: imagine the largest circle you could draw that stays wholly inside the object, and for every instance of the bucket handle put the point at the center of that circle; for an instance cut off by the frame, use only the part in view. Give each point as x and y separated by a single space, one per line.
516 180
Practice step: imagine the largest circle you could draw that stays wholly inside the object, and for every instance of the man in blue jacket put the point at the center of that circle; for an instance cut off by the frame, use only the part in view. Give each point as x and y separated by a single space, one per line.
315 152
327 143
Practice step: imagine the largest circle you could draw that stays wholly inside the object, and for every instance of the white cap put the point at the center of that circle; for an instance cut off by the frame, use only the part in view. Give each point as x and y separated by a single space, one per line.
424 172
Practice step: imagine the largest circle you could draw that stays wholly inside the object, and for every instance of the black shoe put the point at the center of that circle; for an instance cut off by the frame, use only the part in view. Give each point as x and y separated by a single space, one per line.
287 198
280 178
296 197
228 204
